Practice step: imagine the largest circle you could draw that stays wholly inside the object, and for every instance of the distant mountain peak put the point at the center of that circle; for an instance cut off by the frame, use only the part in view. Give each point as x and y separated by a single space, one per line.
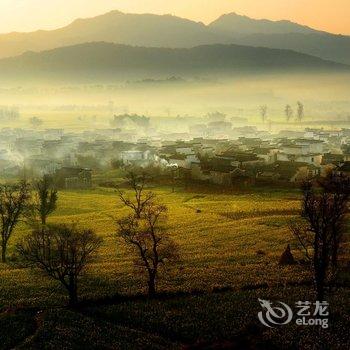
237 15
234 23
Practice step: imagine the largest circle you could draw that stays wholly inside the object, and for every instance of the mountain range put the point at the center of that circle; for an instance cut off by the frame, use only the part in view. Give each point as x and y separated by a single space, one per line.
108 61
149 30
283 35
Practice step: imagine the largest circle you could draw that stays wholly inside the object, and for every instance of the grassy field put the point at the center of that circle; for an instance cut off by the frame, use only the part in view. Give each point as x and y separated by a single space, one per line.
235 240
230 246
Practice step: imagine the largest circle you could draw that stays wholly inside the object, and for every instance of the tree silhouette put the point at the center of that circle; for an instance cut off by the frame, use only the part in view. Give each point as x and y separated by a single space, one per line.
148 238
61 252
321 230
13 200
137 182
288 111
44 201
263 113
300 111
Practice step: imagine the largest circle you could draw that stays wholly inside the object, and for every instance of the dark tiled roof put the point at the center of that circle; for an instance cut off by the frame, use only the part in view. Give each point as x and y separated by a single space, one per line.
345 167
329 158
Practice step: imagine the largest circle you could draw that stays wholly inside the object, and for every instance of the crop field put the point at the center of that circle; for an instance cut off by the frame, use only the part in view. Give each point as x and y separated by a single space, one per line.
225 240
230 246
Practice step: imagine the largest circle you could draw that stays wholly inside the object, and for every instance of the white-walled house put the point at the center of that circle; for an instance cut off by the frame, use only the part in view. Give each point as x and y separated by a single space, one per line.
131 155
178 160
269 155
313 146
183 161
302 151
292 149
184 150
314 159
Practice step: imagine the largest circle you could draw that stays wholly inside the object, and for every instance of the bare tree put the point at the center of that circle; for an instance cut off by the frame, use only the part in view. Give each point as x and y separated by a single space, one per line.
13 200
300 111
263 113
320 233
61 252
45 200
137 182
149 241
36 122
173 171
288 111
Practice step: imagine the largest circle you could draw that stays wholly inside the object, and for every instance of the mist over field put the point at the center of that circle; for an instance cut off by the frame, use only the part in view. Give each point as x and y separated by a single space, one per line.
166 66
73 105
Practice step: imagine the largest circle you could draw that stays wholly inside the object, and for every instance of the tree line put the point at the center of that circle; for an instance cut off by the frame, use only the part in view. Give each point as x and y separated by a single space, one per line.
289 112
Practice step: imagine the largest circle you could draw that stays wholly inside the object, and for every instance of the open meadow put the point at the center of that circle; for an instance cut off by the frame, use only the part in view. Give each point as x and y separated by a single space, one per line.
230 246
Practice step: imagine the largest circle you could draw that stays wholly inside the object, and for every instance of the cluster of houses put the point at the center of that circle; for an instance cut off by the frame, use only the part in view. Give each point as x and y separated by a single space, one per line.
33 154
248 160
253 160
247 156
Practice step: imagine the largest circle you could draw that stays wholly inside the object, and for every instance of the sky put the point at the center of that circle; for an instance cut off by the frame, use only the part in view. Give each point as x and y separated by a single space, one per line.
29 15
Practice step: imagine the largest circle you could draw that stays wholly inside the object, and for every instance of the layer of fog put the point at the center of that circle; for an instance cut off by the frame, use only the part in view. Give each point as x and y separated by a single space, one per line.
326 98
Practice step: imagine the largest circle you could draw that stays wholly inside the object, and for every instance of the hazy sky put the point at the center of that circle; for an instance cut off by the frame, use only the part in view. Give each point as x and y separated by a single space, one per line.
27 15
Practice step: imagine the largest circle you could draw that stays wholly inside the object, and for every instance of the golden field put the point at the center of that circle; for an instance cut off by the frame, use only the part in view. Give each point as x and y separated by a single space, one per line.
230 246
226 240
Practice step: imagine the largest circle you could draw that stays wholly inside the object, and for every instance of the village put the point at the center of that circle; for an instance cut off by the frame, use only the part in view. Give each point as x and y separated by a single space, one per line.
174 175
220 151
